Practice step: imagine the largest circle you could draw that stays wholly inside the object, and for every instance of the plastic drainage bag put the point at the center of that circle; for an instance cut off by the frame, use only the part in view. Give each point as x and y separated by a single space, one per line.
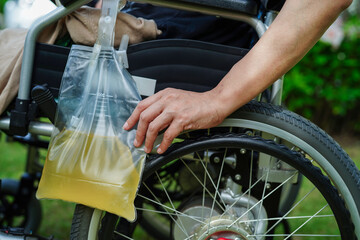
91 159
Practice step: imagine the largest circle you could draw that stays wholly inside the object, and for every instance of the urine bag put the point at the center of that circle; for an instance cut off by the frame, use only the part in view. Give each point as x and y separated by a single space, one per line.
91 160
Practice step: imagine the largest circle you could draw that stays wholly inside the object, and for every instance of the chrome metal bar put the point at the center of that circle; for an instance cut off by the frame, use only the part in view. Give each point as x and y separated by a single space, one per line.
270 17
276 91
5 123
41 128
29 47
38 128
277 87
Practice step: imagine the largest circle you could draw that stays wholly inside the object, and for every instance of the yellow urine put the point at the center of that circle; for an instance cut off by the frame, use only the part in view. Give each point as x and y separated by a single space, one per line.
92 170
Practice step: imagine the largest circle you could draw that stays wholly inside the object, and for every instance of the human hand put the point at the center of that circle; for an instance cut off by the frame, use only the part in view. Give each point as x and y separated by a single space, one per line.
174 109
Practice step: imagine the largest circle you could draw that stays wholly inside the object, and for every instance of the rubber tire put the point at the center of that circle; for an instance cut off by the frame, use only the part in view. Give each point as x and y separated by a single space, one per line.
80 222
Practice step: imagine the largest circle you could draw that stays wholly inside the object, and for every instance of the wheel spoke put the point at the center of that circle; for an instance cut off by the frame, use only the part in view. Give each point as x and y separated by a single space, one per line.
286 218
250 176
189 237
166 207
280 185
263 193
205 174
204 187
306 222
217 186
172 204
245 193
295 235
123 235
291 209
211 180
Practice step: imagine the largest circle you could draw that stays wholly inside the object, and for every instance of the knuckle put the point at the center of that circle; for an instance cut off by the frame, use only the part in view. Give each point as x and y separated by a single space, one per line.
168 114
141 106
144 118
168 137
183 120
164 92
152 128
168 90
189 126
171 94
140 136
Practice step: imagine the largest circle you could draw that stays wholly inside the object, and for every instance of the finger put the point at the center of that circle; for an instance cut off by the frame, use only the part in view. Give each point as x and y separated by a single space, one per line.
142 106
172 132
146 117
132 120
158 124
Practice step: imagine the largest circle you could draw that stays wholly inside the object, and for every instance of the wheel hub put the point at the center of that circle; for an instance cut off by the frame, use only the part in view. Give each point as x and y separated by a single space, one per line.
204 219
207 223
223 228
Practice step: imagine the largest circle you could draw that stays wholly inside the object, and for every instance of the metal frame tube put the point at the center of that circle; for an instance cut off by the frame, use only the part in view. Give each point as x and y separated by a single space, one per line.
38 128
30 41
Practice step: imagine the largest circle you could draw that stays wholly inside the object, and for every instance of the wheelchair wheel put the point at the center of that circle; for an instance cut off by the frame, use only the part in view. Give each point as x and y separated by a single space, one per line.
218 187
27 217
285 127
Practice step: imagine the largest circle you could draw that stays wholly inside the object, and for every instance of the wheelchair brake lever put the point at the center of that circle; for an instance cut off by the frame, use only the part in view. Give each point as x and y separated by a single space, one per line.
45 100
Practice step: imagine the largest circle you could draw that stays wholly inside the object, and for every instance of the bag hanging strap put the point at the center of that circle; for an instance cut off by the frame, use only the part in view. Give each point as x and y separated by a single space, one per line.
107 21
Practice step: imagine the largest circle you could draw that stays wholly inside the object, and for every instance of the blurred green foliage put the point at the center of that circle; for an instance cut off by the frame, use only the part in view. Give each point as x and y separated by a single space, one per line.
325 85
2 3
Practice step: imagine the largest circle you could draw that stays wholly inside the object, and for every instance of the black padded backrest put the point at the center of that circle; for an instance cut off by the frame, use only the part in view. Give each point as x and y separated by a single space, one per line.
49 66
245 6
275 5
184 64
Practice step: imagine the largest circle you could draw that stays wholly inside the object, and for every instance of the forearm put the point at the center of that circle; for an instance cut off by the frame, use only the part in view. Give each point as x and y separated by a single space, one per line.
296 29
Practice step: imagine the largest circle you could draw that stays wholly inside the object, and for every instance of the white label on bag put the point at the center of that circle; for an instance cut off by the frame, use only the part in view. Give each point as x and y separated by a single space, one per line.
146 86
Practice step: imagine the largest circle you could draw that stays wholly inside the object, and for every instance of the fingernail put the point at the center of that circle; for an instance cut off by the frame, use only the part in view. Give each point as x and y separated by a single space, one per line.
159 151
125 126
146 149
136 143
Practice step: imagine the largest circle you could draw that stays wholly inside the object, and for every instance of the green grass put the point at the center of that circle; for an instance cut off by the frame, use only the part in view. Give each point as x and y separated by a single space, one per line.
57 214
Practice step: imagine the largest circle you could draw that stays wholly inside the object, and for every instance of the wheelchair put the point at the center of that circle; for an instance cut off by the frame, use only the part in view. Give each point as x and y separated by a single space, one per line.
254 176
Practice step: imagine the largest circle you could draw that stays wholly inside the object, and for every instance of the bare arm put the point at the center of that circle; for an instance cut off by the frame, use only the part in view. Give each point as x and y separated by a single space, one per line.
296 29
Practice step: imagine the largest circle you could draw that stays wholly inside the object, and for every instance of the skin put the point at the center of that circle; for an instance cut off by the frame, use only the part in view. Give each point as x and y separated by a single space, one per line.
294 32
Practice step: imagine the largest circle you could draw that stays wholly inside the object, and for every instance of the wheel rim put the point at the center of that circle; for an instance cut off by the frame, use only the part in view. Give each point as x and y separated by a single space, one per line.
232 221
95 224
